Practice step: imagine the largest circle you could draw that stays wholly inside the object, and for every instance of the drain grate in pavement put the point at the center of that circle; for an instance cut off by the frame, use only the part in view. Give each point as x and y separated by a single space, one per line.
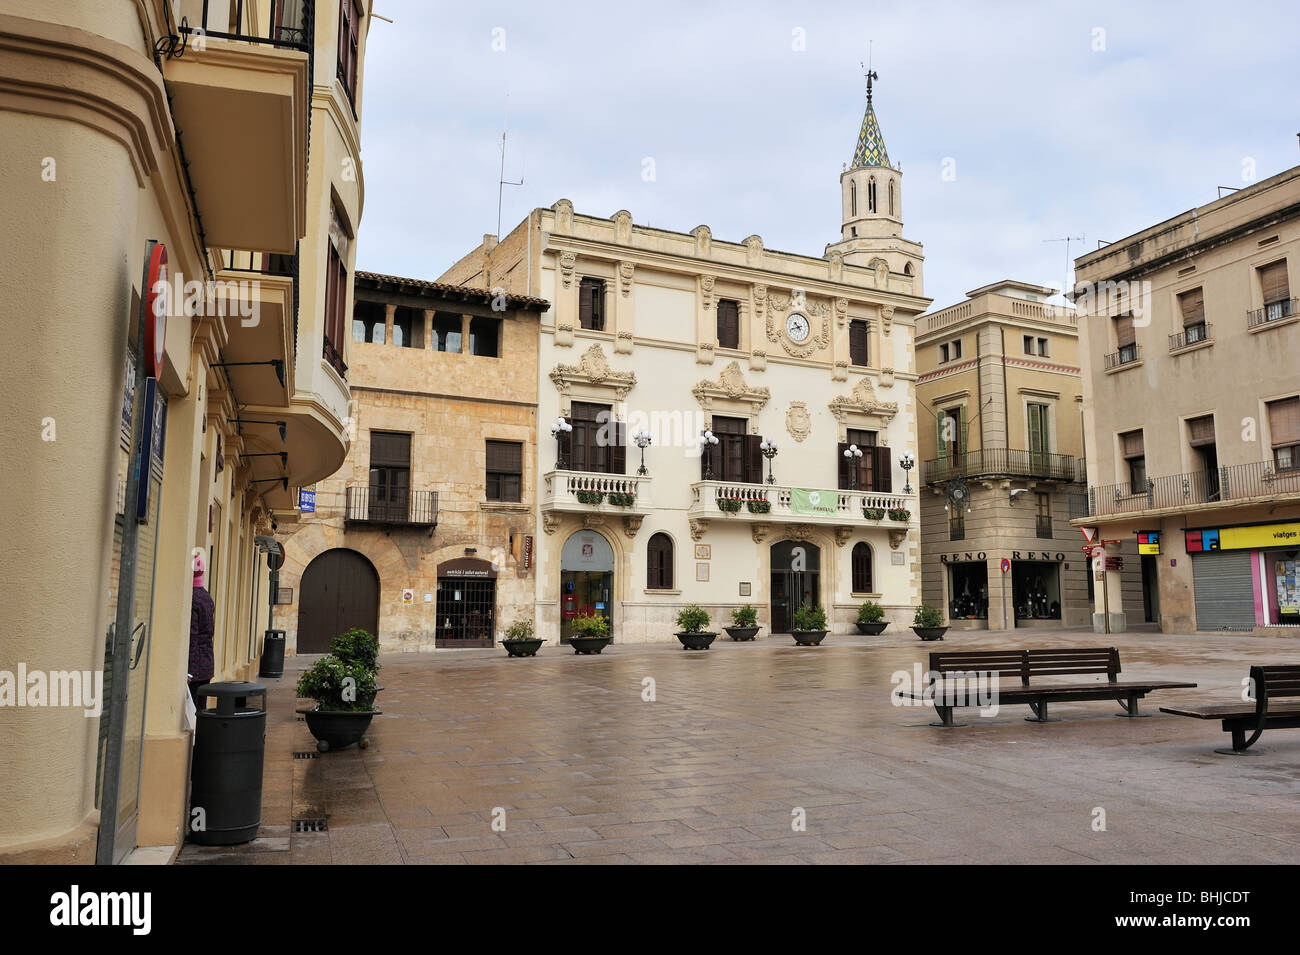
310 825
306 754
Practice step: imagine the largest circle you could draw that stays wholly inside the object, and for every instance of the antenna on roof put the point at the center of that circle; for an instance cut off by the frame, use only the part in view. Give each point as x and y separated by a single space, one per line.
1065 289
503 181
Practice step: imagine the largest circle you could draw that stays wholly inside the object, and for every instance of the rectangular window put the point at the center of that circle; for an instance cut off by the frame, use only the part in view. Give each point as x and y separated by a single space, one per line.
729 455
865 466
1274 284
1284 432
956 349
1029 344
447 332
951 437
390 476
484 337
858 339
1125 337
1038 430
505 471
943 353
591 304
728 323
349 35
1042 347
956 523
1133 450
596 442
336 293
1044 514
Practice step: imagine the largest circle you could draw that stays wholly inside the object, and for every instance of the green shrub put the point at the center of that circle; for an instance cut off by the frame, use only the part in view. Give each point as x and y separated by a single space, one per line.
900 514
357 646
810 618
521 629
759 507
729 504
595 626
871 612
621 499
745 616
927 616
337 685
692 619
590 497
874 513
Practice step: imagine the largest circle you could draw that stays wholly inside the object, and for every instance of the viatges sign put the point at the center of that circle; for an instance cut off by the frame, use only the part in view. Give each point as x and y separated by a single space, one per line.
1014 555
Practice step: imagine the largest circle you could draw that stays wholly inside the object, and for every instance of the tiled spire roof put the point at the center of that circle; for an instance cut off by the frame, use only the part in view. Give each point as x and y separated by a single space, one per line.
871 144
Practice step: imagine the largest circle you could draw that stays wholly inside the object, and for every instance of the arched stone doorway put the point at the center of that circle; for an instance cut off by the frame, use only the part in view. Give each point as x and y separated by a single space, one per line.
339 591
796 580
586 579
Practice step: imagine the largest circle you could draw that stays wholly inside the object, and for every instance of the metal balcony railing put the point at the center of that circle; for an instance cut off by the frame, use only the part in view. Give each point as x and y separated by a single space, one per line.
288 23
374 504
1259 479
1060 467
1126 355
1190 335
1272 312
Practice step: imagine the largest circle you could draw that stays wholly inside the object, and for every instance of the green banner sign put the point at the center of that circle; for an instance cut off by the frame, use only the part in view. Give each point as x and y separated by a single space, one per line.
816 503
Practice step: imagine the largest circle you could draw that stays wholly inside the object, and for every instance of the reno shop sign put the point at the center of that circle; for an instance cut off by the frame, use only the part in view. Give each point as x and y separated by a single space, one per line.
1015 555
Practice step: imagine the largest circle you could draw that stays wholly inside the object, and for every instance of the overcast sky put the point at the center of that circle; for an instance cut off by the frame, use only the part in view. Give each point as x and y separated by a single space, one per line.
1078 119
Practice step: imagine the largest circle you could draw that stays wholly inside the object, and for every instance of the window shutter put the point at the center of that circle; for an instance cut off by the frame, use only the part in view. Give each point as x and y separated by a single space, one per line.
618 452
1284 421
584 304
842 464
566 443
884 475
858 343
389 449
706 451
1273 282
753 459
1124 334
598 305
938 437
1035 428
1132 444
1200 431
960 452
1193 307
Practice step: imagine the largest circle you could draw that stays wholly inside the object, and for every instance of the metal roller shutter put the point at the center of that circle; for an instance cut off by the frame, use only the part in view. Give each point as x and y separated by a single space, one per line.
1225 595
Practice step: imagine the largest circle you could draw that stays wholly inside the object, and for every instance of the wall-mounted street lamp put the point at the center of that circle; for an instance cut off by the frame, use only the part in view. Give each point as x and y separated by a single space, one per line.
907 462
276 363
707 443
279 424
853 454
642 438
768 447
560 428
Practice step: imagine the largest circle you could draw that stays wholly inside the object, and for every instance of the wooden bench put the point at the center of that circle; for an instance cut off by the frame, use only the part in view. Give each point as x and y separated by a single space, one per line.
948 691
1267 684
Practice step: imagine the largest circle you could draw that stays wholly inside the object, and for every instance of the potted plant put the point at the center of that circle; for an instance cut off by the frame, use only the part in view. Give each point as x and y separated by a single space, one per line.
589 634
900 514
874 513
809 626
520 640
744 623
871 618
729 504
759 507
358 646
927 624
692 619
621 499
590 497
345 696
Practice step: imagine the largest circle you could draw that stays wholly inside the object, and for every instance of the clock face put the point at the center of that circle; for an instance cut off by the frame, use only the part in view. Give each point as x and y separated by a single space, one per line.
796 326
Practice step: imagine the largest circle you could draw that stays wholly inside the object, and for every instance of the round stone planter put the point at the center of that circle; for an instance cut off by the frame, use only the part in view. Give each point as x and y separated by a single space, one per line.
696 640
930 633
526 647
335 729
742 633
872 629
809 638
589 644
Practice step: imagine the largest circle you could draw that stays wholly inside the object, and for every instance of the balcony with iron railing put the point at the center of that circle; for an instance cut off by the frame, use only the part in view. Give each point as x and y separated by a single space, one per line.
1272 312
1259 481
773 502
374 504
280 23
1004 461
1200 334
1127 355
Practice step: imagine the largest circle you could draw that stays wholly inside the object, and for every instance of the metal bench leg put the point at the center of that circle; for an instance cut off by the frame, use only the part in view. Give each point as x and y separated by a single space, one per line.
945 714
1040 713
1131 707
1239 745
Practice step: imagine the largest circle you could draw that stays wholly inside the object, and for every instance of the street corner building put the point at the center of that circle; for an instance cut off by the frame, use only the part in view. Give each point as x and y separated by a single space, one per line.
425 535
1003 470
182 185
695 402
1189 331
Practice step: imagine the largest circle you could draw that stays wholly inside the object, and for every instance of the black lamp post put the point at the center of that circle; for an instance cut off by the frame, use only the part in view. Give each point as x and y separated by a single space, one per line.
907 462
642 438
560 428
853 454
768 447
707 443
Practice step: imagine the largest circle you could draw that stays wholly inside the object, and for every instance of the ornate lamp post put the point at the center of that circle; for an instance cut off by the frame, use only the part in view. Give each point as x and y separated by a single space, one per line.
907 462
853 454
642 438
707 442
768 447
560 428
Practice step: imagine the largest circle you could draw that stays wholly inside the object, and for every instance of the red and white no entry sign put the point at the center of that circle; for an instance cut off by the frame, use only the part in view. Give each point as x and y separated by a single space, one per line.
1006 566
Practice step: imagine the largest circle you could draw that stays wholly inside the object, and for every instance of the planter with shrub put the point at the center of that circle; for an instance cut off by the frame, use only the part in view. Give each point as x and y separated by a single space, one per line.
692 620
589 497
809 628
874 513
927 624
759 507
621 499
343 685
589 634
729 504
871 618
744 623
520 640
900 514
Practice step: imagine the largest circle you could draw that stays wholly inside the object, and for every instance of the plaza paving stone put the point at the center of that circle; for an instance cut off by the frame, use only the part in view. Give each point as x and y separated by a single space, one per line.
740 736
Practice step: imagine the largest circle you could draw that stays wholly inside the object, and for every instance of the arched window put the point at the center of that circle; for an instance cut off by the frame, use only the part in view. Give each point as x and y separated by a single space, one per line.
907 269
853 198
871 194
862 568
659 563
891 197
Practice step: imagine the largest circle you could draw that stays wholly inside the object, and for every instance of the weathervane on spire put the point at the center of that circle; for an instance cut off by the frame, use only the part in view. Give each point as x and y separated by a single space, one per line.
868 71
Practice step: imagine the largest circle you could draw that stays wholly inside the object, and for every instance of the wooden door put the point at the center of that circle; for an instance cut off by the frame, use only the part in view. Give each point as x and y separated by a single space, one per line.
339 591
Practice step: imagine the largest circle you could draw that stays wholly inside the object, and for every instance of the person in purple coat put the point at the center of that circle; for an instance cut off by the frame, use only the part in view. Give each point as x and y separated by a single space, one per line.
203 614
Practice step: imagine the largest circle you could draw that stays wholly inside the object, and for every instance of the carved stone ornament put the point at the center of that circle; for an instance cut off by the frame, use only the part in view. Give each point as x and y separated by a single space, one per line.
759 532
753 250
798 422
622 226
567 261
842 311
699 527
760 300
836 266
862 401
703 240
706 291
783 306
593 369
631 525
799 531
625 272
563 216
887 318
843 535
550 521
730 385
897 537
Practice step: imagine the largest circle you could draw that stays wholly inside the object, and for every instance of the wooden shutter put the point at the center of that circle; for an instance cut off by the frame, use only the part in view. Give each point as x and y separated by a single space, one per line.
584 303
753 459
706 453
1036 428
1200 431
1124 334
884 471
1193 307
565 443
390 449
598 305
940 444
728 324
861 568
618 451
858 342
1132 444
1284 421
843 464
1273 282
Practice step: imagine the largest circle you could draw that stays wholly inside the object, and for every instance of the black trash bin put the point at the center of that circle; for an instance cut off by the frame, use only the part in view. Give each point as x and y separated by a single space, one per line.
226 774
272 667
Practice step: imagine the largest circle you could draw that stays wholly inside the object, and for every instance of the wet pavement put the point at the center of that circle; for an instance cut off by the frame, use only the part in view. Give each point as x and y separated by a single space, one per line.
770 753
